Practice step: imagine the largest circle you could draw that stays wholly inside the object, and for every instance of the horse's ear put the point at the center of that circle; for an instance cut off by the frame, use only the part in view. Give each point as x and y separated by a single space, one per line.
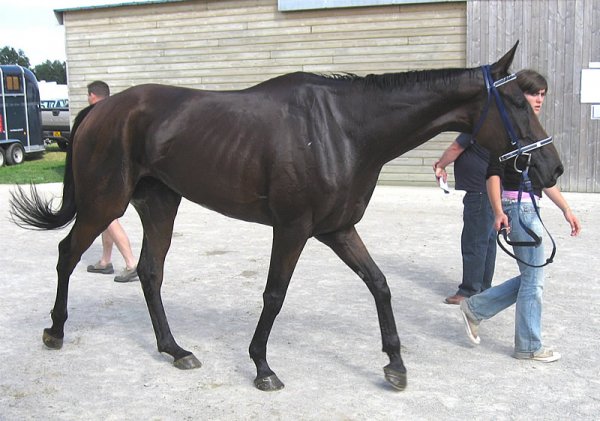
502 65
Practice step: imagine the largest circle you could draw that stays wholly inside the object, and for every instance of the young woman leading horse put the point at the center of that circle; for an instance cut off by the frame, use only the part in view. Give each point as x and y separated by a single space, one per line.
301 153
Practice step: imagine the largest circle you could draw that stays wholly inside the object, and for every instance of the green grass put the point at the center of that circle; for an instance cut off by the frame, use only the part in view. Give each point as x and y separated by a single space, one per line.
46 168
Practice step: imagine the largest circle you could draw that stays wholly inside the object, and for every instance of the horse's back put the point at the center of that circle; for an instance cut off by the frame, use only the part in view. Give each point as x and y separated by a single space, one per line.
245 153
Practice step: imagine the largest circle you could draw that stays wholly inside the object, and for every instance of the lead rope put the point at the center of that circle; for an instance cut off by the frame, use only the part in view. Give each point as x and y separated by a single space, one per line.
526 186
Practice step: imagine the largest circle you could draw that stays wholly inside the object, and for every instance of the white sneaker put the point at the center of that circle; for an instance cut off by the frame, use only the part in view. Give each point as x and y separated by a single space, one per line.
471 325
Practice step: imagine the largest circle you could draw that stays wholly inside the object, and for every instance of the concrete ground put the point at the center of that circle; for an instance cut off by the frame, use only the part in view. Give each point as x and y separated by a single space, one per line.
325 345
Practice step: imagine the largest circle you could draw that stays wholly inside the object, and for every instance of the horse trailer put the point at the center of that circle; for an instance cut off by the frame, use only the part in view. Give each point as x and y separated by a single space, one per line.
20 115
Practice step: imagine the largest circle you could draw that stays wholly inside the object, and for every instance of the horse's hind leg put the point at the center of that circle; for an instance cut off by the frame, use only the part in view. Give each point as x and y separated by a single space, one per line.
350 248
70 250
53 336
286 249
157 206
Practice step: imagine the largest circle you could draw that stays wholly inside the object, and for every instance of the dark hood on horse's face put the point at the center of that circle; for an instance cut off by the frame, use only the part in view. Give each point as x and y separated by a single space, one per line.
542 174
546 166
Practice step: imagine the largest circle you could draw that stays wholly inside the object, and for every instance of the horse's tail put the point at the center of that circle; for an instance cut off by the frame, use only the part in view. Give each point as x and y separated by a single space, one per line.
34 211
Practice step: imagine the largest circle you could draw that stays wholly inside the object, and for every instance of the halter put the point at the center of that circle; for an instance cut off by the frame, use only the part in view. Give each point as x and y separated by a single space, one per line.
525 184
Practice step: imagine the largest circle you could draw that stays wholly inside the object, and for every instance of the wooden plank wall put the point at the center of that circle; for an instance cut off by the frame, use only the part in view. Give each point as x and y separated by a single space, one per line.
232 44
558 38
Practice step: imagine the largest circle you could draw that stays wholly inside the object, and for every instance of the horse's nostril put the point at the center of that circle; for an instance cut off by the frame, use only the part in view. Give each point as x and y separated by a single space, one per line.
557 173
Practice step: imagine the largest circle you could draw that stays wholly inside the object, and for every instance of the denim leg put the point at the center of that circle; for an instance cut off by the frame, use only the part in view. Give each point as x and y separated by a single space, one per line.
528 314
495 299
478 244
524 289
490 257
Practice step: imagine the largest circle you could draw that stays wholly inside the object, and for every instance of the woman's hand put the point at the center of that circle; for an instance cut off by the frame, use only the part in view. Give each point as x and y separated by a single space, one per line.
501 222
573 222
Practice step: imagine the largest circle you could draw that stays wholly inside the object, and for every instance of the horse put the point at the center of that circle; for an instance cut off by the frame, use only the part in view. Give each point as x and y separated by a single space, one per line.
300 152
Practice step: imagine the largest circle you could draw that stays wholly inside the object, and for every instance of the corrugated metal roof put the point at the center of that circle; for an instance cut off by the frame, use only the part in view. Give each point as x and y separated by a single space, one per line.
59 12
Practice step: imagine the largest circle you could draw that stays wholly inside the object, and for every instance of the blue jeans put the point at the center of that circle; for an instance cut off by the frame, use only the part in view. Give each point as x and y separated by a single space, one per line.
478 244
525 289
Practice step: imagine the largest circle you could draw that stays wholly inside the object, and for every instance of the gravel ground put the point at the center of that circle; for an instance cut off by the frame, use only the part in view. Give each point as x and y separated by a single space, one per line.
325 344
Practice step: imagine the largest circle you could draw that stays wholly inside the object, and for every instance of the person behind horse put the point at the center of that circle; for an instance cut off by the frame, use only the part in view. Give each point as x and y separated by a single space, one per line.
114 234
526 288
478 239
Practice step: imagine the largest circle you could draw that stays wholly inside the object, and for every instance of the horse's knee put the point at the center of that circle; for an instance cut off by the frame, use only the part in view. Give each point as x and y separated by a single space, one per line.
273 302
380 290
144 272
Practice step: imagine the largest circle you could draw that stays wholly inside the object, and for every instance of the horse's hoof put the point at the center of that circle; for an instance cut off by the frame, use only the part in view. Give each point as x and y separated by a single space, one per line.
396 378
268 384
50 341
187 363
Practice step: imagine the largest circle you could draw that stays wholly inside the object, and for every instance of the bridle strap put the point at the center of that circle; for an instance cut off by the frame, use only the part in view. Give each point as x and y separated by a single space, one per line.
489 82
502 110
526 149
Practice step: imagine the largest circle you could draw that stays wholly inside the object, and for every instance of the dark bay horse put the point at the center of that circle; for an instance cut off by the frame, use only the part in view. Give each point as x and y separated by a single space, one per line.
300 152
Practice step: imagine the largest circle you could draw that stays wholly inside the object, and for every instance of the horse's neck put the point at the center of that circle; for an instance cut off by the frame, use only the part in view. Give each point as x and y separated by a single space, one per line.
400 119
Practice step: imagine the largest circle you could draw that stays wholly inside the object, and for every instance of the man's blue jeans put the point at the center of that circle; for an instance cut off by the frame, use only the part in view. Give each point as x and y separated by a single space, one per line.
478 244
525 289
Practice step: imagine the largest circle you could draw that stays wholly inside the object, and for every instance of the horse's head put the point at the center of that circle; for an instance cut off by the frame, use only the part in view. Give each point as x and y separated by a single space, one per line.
511 124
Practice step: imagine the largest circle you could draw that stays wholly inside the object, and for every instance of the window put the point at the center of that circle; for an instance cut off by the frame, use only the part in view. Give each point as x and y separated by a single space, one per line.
12 84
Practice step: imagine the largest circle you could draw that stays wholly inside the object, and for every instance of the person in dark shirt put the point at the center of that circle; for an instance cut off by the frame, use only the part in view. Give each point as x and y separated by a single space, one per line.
526 288
478 238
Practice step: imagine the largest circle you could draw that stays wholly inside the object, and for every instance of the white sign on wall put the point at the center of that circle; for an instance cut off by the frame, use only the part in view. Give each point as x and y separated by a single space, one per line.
590 86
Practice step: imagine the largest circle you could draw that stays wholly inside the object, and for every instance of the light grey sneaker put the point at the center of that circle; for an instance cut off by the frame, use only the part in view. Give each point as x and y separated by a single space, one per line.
128 275
471 325
544 355
98 268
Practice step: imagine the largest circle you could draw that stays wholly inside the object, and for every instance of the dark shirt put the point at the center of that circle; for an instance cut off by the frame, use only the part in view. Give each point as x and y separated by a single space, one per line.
471 165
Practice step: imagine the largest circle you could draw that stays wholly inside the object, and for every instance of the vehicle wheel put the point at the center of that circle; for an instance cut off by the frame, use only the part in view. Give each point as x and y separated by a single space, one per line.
62 145
15 154
2 157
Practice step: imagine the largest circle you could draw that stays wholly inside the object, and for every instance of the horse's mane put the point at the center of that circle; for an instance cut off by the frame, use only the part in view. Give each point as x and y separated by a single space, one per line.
447 77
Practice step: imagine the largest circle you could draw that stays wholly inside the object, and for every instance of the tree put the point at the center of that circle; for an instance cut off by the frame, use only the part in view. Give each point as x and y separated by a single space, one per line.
9 55
52 71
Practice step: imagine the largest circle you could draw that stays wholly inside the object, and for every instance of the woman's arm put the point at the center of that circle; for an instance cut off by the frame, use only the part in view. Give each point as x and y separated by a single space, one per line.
494 192
556 196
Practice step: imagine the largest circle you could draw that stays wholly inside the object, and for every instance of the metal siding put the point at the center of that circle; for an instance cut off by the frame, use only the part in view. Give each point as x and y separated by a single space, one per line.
558 38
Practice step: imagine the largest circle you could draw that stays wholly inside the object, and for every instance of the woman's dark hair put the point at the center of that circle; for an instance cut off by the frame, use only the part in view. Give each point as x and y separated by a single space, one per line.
531 82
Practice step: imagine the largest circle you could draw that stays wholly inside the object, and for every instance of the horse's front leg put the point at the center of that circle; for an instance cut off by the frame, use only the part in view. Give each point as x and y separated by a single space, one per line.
286 249
349 247
157 206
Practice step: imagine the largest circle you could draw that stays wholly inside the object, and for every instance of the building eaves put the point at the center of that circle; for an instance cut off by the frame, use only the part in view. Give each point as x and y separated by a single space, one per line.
59 13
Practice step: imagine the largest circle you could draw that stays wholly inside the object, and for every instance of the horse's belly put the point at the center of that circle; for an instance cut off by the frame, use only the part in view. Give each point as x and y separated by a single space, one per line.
257 211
